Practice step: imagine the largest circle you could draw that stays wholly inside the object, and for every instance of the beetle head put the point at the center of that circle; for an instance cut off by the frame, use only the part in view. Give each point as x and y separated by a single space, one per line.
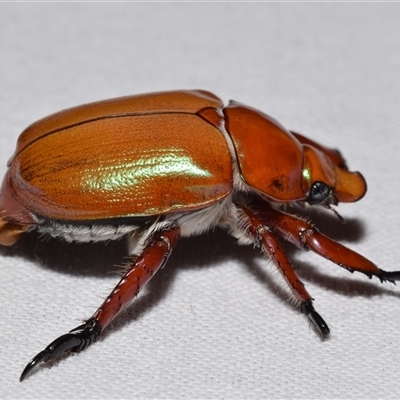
326 179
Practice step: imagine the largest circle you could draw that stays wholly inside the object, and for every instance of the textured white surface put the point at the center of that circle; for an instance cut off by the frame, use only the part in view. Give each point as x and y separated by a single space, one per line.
213 323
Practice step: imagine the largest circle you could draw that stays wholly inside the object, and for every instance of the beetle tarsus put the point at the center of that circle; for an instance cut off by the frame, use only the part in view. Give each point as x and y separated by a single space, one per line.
316 319
392 276
75 341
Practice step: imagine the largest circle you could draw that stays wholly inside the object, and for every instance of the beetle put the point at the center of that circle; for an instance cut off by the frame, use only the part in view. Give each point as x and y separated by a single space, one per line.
156 167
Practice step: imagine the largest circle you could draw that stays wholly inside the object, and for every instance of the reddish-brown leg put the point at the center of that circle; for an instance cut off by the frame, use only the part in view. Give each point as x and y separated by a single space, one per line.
265 239
139 272
306 236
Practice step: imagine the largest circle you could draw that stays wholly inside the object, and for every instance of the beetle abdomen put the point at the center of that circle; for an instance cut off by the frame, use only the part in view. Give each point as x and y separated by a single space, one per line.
122 166
85 232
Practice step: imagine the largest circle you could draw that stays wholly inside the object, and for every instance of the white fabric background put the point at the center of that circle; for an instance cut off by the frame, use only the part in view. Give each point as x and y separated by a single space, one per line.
213 323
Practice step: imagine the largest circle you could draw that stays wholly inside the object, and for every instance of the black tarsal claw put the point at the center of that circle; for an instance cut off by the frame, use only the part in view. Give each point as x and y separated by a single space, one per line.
74 341
316 319
389 276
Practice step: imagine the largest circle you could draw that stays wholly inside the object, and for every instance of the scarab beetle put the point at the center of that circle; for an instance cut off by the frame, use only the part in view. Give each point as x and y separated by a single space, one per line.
155 167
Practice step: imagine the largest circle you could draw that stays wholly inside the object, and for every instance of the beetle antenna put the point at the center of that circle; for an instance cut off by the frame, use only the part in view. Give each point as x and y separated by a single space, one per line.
342 220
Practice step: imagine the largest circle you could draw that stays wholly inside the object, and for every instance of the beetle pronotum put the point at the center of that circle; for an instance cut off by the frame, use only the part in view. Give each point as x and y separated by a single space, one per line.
155 167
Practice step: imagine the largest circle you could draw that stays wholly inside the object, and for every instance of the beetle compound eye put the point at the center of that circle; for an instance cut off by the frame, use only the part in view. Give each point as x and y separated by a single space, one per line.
319 193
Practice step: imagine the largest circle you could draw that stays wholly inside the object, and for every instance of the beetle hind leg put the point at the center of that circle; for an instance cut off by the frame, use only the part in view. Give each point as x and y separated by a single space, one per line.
157 248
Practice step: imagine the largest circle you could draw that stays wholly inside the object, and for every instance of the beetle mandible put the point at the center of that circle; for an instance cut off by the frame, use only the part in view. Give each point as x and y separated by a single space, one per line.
160 166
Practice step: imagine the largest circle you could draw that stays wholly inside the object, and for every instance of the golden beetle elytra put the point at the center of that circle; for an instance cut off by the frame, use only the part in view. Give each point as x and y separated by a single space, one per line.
159 166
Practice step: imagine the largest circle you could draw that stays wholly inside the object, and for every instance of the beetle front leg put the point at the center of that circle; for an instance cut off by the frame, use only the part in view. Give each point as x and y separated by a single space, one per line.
264 238
140 270
306 236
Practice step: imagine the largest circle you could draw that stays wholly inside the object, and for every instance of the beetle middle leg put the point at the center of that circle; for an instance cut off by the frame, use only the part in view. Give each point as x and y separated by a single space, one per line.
140 270
264 238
